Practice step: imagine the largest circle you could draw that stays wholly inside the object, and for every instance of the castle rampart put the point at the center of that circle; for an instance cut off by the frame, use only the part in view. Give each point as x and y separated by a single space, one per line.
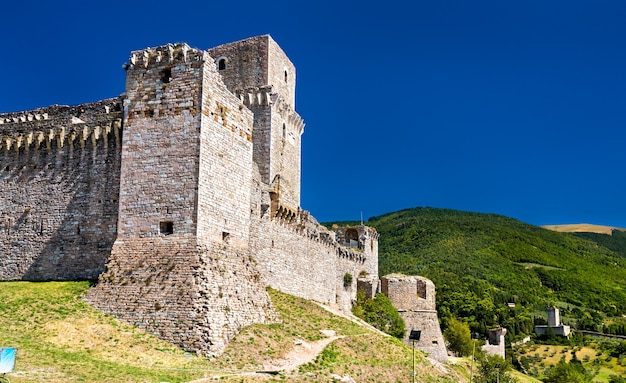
59 176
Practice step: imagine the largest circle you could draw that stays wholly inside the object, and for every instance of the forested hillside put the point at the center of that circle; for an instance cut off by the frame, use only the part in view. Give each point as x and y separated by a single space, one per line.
482 262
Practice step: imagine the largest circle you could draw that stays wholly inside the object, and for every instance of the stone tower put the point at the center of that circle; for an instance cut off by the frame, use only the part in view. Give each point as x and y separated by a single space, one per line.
180 266
261 74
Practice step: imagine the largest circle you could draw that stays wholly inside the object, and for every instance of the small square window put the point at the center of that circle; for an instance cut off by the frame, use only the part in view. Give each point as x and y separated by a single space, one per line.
166 227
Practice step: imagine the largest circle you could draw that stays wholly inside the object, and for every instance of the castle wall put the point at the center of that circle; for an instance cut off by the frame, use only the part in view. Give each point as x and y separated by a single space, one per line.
281 73
59 183
299 256
246 62
257 62
194 209
286 132
292 263
260 73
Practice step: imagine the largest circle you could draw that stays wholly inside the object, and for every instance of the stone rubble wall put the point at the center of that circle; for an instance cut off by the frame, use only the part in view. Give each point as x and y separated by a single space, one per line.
59 185
197 297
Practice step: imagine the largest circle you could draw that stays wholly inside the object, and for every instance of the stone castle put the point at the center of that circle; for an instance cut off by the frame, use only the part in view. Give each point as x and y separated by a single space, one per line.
181 197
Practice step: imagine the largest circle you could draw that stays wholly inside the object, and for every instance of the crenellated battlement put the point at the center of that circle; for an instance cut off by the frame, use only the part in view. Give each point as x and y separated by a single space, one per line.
288 114
253 97
60 125
170 53
59 115
61 136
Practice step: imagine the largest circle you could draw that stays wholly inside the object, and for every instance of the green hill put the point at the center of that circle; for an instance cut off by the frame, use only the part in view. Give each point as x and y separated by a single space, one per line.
482 262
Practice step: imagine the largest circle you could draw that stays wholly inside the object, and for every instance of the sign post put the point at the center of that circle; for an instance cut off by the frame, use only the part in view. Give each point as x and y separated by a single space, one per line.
414 336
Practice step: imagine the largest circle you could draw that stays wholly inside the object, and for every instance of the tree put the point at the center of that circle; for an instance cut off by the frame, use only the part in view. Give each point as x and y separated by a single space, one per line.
458 336
572 372
494 369
380 313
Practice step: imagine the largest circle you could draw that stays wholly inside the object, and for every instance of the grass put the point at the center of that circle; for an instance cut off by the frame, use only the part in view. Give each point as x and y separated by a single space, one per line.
60 338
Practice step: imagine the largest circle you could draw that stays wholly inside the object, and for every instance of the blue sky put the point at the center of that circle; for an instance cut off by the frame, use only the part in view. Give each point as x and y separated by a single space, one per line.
508 107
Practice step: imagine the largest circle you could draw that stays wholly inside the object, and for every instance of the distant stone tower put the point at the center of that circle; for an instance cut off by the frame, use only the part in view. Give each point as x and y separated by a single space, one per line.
261 74
554 318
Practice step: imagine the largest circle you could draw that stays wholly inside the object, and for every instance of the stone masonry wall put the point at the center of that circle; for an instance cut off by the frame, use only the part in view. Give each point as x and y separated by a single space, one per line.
299 256
225 176
285 152
281 73
59 184
187 160
194 209
161 146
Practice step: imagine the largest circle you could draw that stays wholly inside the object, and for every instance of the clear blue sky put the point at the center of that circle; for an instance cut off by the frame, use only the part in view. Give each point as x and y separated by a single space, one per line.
508 107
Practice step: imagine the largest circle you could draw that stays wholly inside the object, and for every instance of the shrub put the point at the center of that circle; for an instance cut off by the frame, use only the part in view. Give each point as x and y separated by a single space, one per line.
380 313
347 280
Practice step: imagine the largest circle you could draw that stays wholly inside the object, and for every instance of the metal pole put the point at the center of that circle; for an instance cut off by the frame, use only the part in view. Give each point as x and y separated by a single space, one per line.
472 361
413 361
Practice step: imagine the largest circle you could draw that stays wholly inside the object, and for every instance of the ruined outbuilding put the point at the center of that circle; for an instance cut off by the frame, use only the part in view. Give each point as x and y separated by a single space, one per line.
414 297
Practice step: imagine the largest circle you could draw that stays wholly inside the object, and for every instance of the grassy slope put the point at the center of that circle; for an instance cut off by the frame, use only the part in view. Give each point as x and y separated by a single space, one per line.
463 251
62 339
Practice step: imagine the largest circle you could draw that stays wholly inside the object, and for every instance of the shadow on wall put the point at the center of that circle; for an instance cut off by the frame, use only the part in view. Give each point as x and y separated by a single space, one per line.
59 207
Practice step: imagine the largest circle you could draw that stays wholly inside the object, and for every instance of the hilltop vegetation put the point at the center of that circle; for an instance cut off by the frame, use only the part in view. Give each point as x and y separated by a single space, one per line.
60 338
482 262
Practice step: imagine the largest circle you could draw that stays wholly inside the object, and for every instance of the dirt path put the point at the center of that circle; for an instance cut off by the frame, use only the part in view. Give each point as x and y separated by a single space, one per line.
302 353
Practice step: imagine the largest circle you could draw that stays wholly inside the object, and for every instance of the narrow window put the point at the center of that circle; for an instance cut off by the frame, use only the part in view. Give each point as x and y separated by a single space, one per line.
166 75
166 227
284 130
221 63
285 76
